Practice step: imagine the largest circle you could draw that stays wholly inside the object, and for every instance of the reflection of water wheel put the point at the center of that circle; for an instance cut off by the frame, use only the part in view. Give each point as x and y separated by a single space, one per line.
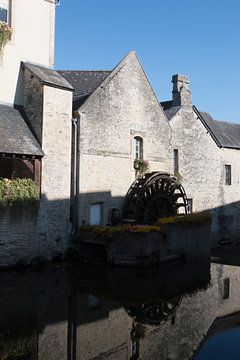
153 196
154 314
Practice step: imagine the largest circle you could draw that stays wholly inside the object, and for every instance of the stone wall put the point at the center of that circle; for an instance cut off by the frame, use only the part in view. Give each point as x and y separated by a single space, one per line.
122 108
56 164
202 169
45 232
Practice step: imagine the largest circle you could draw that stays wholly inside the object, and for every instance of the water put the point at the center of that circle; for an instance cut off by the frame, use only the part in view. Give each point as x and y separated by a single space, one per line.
180 311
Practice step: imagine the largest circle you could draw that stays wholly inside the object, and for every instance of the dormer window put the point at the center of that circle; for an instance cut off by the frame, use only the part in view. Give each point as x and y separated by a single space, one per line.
5 11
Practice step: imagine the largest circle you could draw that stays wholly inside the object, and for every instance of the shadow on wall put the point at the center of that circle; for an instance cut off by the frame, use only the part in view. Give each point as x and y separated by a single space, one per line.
226 224
43 228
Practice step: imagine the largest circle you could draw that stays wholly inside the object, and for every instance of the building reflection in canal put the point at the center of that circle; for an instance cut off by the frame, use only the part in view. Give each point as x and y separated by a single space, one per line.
95 313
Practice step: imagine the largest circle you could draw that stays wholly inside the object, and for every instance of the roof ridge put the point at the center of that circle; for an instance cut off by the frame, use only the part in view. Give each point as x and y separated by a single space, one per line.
226 122
205 112
219 121
86 70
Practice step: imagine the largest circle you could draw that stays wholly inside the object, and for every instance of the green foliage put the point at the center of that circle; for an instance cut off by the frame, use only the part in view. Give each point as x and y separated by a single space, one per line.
199 218
178 176
141 166
16 348
108 231
5 35
17 190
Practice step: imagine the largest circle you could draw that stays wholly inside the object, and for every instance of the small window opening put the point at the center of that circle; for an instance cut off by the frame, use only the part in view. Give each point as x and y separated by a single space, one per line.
138 147
228 175
226 288
175 161
93 302
173 320
190 205
134 344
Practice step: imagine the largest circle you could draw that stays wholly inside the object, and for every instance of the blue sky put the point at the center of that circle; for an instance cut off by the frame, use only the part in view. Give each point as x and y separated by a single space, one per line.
198 38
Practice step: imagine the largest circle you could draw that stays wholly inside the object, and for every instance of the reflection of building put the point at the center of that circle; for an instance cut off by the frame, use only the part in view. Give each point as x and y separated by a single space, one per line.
52 313
178 338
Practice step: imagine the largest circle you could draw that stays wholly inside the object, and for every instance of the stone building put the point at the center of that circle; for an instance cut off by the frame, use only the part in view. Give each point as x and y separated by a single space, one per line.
205 156
77 134
35 122
80 149
115 112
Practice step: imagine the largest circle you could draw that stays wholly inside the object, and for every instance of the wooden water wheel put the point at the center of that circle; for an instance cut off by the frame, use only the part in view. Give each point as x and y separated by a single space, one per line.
153 196
154 314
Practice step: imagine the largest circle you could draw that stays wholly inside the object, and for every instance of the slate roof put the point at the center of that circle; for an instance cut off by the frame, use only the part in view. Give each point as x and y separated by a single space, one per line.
48 76
84 83
226 134
171 112
166 104
15 135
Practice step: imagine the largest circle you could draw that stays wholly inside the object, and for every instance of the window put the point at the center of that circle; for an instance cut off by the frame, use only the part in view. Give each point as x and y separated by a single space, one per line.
173 319
96 214
228 175
93 302
175 161
190 205
138 147
5 11
226 288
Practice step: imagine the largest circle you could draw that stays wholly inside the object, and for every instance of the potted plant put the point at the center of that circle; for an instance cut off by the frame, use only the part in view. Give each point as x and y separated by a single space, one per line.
5 35
141 166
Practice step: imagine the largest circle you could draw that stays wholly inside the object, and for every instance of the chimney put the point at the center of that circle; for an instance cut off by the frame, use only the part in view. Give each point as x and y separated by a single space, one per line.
181 94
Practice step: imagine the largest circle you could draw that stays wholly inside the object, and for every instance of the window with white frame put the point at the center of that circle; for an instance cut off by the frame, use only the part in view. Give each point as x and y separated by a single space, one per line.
5 11
138 147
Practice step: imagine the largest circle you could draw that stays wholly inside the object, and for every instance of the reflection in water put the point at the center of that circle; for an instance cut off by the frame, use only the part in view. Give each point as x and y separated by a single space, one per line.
97 313
154 314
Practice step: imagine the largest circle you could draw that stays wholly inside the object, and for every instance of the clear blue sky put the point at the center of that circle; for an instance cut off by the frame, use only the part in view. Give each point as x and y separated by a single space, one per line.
198 38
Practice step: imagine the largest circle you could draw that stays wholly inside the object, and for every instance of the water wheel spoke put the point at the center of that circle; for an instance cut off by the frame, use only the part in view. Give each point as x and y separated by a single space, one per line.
153 196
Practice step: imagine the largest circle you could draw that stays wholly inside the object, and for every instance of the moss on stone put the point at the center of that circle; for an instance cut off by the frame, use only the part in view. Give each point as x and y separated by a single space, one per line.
108 231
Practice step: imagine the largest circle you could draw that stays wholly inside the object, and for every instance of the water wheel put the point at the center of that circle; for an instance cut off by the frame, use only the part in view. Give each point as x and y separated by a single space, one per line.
153 196
154 314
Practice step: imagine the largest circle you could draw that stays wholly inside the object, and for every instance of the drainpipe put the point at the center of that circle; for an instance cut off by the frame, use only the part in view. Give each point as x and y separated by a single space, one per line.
75 175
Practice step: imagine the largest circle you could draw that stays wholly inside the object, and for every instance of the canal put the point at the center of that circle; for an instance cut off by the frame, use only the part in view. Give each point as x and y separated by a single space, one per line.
180 311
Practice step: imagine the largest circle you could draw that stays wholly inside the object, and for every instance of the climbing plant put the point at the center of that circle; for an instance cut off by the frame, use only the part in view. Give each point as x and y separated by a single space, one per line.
5 35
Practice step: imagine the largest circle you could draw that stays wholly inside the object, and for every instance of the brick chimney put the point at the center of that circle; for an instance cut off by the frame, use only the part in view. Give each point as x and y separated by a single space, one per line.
181 94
